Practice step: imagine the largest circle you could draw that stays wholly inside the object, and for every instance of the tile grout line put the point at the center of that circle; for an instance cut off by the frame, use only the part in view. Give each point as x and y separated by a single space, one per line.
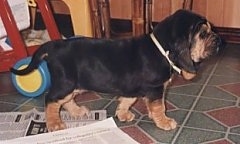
147 134
109 103
195 102
206 97
22 104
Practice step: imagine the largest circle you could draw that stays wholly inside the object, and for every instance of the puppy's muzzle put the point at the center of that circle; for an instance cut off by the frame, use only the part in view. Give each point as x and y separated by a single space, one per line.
217 44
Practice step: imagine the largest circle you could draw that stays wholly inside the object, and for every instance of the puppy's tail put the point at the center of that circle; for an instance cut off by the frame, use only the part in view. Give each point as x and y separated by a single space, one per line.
38 56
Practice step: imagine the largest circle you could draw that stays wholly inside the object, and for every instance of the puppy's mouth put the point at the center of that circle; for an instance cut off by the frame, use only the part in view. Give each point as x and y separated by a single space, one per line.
187 75
212 47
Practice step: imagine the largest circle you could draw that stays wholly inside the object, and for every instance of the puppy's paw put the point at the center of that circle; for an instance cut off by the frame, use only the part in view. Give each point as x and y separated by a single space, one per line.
124 115
166 123
55 126
79 111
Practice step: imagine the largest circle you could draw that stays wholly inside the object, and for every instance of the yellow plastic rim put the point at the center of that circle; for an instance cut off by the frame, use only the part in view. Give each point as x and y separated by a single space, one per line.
30 82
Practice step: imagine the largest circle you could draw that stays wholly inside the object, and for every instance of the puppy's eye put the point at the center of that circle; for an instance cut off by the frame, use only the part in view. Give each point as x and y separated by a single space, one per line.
203 34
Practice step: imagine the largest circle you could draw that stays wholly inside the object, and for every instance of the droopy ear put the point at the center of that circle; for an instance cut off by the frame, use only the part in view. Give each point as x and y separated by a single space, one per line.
184 59
188 68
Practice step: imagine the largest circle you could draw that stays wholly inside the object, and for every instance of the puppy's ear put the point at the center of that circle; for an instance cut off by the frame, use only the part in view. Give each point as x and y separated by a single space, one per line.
184 58
184 45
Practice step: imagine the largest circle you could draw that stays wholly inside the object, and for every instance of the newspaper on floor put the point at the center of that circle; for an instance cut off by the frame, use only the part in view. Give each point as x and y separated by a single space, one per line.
102 132
32 122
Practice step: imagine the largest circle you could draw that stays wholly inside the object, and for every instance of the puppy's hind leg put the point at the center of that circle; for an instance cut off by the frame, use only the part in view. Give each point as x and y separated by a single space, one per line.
122 111
73 108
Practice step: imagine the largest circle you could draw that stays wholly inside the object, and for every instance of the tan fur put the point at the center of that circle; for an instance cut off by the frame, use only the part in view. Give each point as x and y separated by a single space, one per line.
156 111
73 108
44 55
188 76
198 51
167 82
209 28
53 119
122 111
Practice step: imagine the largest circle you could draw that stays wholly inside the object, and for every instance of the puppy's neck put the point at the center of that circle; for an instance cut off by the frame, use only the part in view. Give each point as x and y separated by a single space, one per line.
164 53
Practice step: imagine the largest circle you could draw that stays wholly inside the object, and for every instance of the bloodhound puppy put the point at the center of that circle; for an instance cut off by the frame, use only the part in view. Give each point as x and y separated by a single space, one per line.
131 68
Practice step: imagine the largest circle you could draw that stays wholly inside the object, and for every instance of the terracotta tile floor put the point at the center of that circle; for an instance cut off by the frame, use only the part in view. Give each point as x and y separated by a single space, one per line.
207 109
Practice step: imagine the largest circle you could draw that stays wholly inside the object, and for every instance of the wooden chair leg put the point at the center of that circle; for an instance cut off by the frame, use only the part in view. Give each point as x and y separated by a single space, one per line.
137 17
188 4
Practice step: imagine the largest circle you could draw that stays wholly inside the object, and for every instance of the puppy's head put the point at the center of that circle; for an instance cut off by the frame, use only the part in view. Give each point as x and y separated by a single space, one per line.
190 38
204 42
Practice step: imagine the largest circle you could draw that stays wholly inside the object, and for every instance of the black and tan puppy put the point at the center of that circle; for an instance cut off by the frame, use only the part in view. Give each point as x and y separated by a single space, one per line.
129 68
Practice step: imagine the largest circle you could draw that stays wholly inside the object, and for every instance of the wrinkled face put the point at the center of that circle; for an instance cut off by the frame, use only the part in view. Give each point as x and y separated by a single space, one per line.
190 38
205 43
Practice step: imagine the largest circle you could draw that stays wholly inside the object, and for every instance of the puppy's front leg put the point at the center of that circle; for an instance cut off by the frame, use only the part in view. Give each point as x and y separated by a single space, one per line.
122 111
75 110
156 111
53 119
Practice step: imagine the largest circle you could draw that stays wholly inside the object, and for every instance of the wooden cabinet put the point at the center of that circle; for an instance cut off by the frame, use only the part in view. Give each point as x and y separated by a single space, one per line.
222 13
121 9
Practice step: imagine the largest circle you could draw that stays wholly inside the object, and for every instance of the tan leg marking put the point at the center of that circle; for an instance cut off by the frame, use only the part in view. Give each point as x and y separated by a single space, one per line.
156 111
122 111
53 119
73 108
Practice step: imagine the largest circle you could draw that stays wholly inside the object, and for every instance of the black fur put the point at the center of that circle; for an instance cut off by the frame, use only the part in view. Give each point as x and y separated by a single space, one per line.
127 67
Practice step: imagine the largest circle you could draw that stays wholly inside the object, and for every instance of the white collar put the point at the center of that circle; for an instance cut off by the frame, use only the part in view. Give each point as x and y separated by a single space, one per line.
164 53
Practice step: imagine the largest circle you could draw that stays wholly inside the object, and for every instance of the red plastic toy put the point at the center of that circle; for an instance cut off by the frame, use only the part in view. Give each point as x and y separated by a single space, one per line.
9 58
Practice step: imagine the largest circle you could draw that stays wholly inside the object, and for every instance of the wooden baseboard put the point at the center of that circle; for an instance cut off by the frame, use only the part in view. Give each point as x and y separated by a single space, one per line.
230 35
